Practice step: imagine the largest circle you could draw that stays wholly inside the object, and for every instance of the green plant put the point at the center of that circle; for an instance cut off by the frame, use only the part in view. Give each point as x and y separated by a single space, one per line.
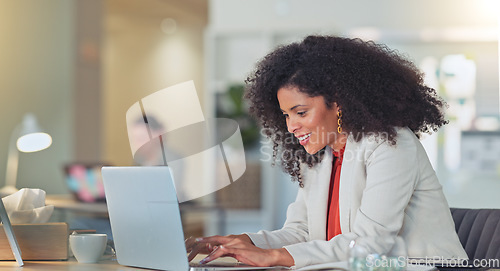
231 105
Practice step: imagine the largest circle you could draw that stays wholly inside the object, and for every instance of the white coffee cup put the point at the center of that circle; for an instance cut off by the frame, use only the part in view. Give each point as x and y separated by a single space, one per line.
88 247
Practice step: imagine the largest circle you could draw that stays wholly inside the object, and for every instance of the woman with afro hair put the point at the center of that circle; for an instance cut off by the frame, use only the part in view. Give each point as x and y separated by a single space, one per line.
344 116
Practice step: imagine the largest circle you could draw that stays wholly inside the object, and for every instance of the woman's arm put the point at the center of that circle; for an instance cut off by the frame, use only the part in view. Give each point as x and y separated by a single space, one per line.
295 230
258 245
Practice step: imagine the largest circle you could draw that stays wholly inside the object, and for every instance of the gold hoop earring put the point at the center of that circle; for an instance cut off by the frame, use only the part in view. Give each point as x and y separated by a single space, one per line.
339 121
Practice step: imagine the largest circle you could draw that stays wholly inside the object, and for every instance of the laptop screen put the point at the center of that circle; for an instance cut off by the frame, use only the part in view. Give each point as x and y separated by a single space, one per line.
145 218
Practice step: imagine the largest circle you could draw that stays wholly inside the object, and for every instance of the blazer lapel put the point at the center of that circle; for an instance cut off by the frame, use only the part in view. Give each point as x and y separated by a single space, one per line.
318 197
345 186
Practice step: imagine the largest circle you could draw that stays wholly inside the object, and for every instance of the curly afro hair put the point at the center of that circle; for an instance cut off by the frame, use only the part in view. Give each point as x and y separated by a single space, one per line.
376 88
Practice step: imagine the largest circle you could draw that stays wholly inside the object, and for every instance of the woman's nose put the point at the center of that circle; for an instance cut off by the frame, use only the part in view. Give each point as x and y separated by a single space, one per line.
292 125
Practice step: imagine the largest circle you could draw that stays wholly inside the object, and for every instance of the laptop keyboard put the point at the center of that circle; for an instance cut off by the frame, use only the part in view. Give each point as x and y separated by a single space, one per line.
218 264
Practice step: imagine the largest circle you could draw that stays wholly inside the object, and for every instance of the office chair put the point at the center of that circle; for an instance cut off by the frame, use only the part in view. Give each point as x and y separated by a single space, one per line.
478 231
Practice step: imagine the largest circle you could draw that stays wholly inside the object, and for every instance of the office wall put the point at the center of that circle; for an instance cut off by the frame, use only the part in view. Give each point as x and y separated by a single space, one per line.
139 58
36 75
88 34
417 28
343 15
79 64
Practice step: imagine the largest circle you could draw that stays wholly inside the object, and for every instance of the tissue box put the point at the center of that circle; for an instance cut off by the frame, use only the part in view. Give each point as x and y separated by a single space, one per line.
47 241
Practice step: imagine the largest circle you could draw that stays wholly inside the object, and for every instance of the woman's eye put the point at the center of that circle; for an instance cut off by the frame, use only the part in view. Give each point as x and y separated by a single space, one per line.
302 113
285 115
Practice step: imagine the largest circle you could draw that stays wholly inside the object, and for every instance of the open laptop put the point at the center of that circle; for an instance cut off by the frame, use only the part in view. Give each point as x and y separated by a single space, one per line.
145 220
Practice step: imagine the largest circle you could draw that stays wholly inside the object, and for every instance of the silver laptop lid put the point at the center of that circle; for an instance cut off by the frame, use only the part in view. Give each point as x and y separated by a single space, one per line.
145 219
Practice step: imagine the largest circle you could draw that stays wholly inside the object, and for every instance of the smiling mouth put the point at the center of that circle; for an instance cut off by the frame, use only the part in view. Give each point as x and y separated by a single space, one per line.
304 137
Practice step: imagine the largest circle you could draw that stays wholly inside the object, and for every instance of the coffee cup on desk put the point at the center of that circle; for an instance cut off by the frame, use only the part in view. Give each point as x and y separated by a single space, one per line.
88 247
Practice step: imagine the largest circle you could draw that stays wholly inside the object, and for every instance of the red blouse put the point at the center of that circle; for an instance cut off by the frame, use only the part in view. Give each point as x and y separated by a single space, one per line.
333 215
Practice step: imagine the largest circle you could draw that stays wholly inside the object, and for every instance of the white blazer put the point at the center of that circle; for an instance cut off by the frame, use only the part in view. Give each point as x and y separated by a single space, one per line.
385 190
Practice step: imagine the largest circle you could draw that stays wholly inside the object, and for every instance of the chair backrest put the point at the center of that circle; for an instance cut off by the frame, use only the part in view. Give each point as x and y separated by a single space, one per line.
478 231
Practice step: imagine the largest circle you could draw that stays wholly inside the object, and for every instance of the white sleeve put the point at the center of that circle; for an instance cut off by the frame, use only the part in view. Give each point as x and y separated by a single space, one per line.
295 229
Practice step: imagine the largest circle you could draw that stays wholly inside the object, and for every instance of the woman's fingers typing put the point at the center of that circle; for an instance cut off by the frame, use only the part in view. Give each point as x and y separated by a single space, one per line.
203 245
216 239
218 246
189 242
245 253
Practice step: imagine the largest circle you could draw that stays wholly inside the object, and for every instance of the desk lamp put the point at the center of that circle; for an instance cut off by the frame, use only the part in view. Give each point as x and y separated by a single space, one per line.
26 137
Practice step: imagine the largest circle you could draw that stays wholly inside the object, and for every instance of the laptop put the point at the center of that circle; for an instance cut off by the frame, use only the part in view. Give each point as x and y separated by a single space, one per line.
9 232
146 222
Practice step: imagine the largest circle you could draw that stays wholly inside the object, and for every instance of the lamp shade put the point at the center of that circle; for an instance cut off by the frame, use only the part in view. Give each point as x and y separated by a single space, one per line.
26 137
31 138
34 142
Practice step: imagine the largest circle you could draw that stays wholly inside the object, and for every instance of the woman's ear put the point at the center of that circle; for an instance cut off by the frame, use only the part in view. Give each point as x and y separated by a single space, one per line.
336 107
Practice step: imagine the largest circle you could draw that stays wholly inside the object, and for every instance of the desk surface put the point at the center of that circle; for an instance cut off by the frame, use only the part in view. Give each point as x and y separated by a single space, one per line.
73 265
68 202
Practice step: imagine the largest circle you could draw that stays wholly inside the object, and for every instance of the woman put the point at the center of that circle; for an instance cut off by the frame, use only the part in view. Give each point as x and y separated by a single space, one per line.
345 116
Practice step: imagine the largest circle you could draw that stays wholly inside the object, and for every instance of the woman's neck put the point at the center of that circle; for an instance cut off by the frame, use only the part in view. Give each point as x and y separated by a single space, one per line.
339 142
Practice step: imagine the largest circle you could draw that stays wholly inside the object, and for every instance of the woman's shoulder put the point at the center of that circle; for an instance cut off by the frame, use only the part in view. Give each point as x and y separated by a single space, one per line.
372 138
405 142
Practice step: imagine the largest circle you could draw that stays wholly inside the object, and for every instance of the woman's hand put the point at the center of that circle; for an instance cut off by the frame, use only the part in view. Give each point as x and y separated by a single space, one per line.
195 246
239 247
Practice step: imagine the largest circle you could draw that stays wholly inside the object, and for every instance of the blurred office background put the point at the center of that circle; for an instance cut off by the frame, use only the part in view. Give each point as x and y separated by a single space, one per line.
78 65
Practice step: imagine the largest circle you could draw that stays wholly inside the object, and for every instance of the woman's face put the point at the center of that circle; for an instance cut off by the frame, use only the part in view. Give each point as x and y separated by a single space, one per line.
309 119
